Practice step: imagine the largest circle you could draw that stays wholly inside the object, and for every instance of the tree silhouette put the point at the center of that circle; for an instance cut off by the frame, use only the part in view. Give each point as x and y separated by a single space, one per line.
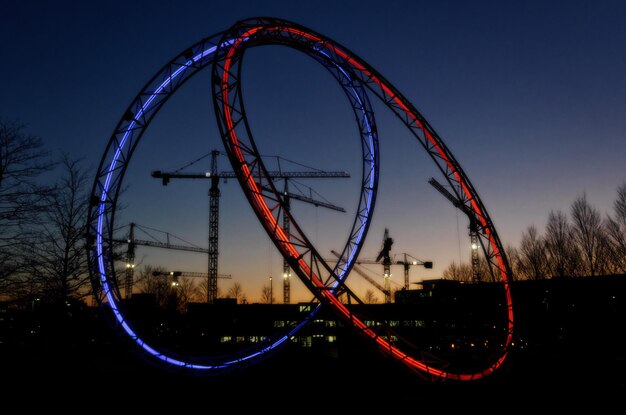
155 280
561 247
588 234
22 201
203 287
533 260
458 272
187 291
370 297
266 295
616 231
236 292
172 293
56 256
513 256
582 245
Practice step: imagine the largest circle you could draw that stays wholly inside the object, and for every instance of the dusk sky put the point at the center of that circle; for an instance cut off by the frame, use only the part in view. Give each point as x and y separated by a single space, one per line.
529 96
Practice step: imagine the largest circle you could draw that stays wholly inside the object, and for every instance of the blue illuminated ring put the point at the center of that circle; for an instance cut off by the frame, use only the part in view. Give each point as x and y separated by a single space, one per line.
117 156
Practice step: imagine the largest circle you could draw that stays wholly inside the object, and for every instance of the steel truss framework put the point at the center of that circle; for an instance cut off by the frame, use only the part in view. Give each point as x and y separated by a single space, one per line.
108 183
296 248
225 52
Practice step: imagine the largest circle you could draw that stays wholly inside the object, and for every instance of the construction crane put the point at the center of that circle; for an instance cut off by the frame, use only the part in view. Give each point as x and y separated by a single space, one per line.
287 196
473 224
387 262
130 253
214 195
189 274
366 277
384 254
407 263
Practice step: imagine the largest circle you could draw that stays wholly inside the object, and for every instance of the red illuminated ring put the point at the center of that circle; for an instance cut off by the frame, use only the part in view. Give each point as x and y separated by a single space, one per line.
301 254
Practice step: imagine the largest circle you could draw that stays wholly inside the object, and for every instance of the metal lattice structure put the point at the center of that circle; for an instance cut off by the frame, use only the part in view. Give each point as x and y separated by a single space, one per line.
473 225
214 195
133 242
296 248
130 263
286 268
109 180
225 52
214 222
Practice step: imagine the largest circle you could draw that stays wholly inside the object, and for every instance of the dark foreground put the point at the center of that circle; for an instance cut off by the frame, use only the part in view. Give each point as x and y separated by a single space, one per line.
574 358
362 379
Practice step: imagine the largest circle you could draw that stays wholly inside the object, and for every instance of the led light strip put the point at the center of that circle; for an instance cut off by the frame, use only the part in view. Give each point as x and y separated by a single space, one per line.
101 216
265 33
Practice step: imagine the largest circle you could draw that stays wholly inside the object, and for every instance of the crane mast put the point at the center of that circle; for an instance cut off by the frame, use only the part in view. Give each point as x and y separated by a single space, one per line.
286 268
406 263
189 274
366 277
385 256
130 263
130 254
214 214
473 225
214 196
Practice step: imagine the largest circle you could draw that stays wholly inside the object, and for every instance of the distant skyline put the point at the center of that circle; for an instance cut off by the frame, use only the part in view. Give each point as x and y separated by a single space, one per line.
529 96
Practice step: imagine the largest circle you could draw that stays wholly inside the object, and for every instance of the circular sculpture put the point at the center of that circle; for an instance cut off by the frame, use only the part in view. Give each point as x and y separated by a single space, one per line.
301 255
225 51
113 166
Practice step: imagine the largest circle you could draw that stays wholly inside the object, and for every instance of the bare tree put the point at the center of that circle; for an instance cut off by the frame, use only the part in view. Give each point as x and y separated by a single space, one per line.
170 292
533 260
458 272
236 292
588 234
563 255
22 200
187 291
370 297
487 271
513 256
57 257
266 295
155 280
616 231
203 288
